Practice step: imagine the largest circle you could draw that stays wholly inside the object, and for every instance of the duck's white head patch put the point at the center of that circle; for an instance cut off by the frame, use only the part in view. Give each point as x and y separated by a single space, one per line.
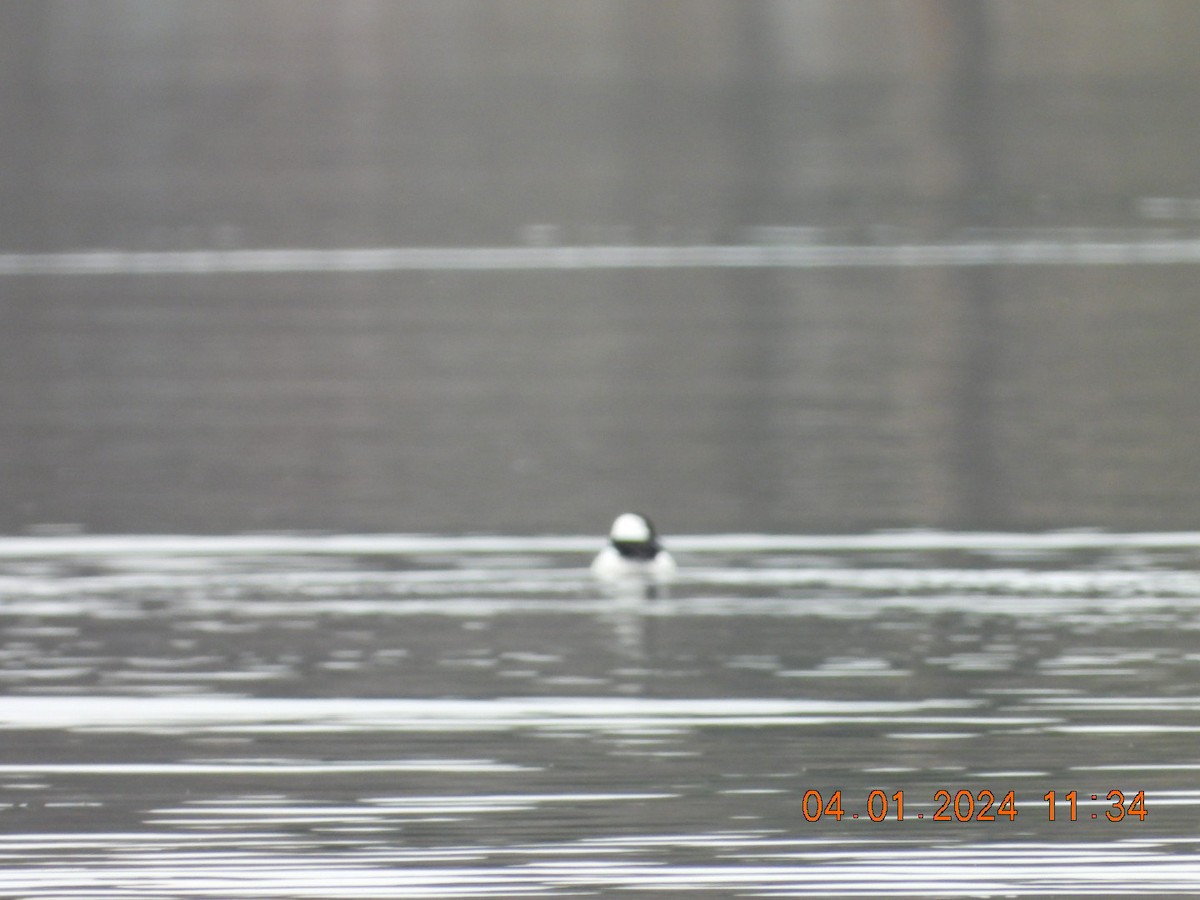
631 528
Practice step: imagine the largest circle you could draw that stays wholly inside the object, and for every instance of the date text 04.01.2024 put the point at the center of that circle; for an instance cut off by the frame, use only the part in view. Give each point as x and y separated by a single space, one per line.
975 806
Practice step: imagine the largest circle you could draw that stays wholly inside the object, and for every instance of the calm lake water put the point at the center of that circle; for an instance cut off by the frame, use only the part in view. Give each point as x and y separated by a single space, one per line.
513 267
397 716
885 312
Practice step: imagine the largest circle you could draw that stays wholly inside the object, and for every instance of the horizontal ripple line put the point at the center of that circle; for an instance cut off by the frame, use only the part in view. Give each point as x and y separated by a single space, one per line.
599 257
605 713
67 545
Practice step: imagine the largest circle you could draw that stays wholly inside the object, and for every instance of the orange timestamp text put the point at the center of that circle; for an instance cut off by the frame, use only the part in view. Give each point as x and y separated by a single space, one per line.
974 806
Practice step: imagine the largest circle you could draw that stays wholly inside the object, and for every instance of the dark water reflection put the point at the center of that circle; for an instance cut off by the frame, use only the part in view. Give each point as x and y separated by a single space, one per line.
391 716
542 402
998 396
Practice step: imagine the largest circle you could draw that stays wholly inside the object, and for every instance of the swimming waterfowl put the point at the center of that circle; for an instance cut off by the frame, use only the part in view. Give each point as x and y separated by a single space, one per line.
633 551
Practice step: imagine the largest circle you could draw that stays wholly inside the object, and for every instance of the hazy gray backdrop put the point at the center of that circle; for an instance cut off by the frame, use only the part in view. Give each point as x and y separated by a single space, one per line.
545 399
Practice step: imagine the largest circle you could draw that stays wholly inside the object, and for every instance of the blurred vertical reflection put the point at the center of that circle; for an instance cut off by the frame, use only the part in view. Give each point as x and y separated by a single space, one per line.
970 130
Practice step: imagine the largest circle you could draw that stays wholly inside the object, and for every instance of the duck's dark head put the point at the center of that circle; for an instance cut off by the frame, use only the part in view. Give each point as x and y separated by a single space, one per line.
634 537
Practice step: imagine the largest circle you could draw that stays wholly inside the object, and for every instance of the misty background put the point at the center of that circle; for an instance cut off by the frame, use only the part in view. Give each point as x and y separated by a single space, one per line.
546 399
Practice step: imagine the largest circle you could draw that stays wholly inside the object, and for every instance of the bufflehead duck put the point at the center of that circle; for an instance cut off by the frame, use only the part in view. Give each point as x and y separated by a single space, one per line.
633 551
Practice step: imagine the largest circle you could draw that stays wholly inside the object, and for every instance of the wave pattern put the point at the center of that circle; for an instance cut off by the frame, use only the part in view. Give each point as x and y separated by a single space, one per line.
395 716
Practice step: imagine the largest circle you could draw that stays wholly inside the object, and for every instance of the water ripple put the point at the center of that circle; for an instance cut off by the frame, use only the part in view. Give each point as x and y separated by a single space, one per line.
326 716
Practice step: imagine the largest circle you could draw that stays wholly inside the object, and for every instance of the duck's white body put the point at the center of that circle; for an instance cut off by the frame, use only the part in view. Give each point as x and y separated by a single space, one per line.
633 552
610 565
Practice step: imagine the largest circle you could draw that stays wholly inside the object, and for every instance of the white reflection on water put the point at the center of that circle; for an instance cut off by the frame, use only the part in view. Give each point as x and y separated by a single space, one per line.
397 716
272 767
209 865
387 544
609 714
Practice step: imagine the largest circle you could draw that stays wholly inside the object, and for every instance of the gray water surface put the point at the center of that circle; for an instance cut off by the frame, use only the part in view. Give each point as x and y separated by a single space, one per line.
400 716
514 266
308 277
